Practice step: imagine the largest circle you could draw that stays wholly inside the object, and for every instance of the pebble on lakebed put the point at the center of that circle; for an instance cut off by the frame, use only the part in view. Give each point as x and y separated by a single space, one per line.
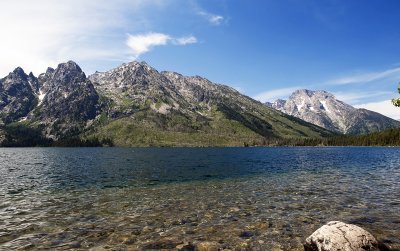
336 235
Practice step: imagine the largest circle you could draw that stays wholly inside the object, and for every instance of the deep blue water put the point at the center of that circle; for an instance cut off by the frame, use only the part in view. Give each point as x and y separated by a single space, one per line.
357 184
66 168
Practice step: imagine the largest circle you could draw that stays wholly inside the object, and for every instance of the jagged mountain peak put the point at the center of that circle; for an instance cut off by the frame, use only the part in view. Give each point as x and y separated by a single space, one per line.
172 74
303 92
277 104
175 76
66 73
71 65
136 85
16 95
19 71
66 103
136 63
66 99
49 70
134 66
323 109
310 93
195 101
126 74
16 77
196 88
194 79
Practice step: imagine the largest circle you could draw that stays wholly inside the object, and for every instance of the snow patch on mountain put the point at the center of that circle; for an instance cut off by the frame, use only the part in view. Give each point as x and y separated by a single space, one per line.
323 109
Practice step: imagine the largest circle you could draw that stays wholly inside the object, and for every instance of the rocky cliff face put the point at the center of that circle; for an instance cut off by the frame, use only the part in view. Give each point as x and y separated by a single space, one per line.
323 109
67 100
174 102
17 95
137 86
134 104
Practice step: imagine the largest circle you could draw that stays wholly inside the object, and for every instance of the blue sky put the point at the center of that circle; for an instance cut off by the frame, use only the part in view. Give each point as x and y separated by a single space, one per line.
265 49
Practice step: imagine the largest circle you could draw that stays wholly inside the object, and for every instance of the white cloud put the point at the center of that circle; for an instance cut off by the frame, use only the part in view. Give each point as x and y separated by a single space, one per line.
273 95
142 43
366 77
357 97
186 40
384 107
41 33
212 18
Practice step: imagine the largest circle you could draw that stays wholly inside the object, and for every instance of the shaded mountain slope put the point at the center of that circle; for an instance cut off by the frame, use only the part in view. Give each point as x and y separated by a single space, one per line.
323 109
135 105
168 107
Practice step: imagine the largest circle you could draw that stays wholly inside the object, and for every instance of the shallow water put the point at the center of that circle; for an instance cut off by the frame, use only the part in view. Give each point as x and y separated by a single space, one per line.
164 198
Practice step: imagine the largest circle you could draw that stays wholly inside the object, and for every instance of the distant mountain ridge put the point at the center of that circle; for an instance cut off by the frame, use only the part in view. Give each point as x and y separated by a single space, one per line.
135 105
323 109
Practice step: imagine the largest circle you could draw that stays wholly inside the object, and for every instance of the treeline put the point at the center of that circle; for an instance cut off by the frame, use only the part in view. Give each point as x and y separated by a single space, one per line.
19 135
389 137
78 142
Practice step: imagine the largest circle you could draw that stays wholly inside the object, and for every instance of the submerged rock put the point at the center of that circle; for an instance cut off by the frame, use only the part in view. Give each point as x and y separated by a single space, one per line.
208 246
162 244
186 247
336 235
390 244
246 234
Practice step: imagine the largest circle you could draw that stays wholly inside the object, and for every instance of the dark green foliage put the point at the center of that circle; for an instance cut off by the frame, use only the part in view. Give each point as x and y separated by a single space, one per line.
21 135
389 137
324 133
78 142
135 105
252 122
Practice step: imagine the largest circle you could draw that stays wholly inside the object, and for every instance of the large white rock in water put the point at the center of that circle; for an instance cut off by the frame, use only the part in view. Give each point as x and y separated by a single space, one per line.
337 235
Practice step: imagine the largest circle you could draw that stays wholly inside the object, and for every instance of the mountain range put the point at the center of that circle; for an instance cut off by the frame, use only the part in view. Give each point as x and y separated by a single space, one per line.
135 105
323 109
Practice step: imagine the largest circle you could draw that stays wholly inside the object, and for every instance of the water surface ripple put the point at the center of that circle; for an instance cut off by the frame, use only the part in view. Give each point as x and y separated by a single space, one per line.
164 198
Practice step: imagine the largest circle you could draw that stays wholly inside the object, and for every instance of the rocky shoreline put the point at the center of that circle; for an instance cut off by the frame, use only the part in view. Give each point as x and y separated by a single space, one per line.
333 236
336 235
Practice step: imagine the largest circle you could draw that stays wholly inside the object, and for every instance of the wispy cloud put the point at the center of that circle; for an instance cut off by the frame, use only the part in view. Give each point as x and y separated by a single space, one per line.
347 97
352 97
365 77
42 33
211 18
276 94
384 107
357 97
142 43
185 40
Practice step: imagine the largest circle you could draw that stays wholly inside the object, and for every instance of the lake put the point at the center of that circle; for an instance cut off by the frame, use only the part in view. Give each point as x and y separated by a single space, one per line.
164 198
